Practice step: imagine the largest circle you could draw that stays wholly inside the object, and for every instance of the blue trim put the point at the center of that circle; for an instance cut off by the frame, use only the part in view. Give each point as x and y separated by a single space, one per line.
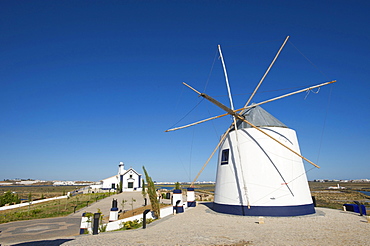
355 208
265 210
114 209
191 204
82 231
177 191
190 189
179 209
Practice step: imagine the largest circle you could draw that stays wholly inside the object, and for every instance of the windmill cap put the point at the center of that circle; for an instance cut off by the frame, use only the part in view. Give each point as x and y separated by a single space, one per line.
258 117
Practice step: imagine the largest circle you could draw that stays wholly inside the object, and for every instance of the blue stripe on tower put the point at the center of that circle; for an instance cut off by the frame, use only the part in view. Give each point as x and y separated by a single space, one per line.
265 210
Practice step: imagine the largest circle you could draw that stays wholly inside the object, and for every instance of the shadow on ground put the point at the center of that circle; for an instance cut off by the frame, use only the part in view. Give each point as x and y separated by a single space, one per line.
55 242
207 204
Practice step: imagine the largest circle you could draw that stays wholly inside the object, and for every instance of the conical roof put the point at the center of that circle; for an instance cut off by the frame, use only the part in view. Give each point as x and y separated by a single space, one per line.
258 117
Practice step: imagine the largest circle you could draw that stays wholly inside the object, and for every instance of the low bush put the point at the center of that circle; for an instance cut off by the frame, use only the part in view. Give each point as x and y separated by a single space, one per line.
128 225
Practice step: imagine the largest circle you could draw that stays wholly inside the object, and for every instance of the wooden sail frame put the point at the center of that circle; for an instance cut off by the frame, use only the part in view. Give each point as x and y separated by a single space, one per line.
227 82
228 130
240 117
246 107
236 115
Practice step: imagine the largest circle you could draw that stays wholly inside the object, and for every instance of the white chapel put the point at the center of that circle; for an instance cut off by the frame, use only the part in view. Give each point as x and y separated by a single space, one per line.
130 180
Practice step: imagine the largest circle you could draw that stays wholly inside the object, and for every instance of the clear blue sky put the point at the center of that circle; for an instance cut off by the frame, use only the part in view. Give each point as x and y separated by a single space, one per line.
86 84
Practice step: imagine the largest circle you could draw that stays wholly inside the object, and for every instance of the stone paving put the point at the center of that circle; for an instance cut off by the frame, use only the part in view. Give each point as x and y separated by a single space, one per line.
203 226
31 230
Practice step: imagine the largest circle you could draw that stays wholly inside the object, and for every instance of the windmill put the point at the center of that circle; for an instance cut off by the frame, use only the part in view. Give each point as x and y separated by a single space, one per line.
260 170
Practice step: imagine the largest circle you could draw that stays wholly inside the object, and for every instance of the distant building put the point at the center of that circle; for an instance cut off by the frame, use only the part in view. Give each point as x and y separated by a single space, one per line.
338 187
29 182
129 179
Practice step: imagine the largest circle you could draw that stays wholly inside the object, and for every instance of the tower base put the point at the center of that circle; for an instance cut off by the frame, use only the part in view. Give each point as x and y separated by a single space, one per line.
278 211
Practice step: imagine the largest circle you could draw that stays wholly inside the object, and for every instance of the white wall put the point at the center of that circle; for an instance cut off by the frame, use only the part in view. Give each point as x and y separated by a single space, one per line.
107 183
115 225
134 179
263 164
33 202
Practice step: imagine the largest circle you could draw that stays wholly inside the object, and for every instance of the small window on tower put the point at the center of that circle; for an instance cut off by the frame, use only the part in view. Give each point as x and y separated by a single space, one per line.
225 157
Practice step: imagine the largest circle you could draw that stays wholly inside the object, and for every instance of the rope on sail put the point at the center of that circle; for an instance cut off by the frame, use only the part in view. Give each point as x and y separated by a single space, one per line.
309 60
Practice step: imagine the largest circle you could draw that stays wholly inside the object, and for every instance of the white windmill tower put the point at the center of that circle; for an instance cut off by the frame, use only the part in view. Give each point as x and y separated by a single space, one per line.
260 170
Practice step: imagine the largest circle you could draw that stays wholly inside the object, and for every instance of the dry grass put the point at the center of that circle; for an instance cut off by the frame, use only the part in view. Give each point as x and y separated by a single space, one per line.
37 191
54 208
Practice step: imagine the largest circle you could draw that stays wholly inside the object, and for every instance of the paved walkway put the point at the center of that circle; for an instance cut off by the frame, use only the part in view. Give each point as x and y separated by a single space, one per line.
202 226
133 199
37 232
31 230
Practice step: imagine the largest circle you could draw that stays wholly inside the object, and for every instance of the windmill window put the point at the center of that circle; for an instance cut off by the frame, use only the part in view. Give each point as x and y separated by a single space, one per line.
225 157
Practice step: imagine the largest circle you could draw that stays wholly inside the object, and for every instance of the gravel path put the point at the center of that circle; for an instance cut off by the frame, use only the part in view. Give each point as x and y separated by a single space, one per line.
202 226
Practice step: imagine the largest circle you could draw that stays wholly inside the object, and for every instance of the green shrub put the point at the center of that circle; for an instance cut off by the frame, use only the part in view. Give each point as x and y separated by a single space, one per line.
131 224
152 194
128 225
9 198
103 228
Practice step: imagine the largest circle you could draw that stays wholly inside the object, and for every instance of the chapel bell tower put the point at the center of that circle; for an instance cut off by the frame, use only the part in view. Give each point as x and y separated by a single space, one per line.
121 168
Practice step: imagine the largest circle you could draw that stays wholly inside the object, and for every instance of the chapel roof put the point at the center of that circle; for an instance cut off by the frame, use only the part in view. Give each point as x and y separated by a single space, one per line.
126 171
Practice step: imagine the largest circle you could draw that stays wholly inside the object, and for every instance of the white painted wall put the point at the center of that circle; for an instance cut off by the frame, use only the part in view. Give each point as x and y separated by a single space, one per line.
115 225
130 176
107 183
264 185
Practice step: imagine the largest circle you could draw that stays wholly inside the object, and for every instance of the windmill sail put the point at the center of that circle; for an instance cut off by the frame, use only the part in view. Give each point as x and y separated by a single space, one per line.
260 170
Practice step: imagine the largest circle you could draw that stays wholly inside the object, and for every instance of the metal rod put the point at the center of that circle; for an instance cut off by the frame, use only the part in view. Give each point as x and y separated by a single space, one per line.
226 78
